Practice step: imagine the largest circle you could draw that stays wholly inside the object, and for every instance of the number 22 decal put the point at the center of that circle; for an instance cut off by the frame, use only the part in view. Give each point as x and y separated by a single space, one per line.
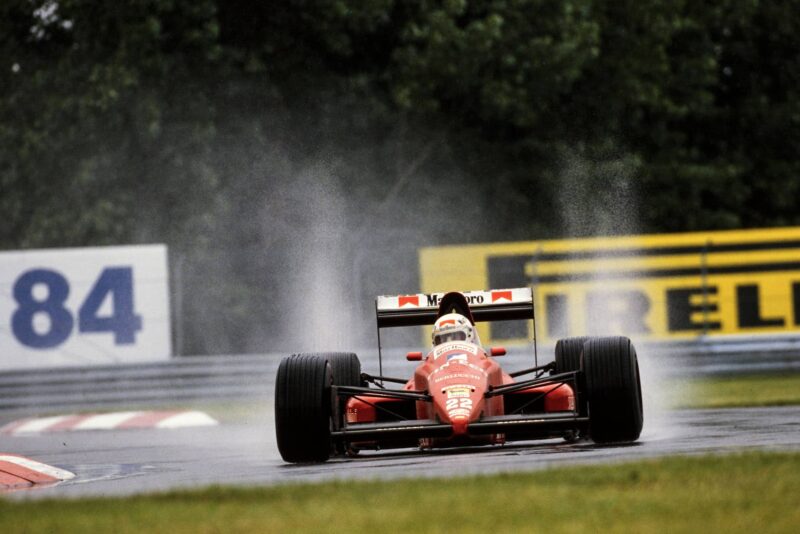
114 281
452 404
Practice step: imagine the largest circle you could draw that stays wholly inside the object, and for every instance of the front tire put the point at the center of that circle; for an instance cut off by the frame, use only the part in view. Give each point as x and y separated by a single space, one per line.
613 390
303 408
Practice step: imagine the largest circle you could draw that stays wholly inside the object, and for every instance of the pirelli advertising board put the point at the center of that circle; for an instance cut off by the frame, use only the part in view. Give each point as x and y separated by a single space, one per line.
655 287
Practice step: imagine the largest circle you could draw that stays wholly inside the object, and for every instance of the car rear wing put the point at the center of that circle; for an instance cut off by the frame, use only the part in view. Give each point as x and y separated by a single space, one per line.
422 309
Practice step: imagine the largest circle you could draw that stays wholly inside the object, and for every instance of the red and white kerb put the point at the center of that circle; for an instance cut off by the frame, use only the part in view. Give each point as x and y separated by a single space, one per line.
17 472
108 421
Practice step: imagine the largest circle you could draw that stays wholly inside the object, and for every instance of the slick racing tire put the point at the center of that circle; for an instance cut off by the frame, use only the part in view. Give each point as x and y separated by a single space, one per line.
303 408
345 366
569 352
346 370
613 389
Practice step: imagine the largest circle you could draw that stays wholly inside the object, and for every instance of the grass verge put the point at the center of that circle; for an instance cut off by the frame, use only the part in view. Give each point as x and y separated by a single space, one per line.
753 492
742 391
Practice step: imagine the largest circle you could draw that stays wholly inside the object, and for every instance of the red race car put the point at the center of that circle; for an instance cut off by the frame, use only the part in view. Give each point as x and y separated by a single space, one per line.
459 395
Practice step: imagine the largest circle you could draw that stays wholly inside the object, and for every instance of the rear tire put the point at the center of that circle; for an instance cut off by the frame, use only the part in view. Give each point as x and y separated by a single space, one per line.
346 370
345 366
613 389
569 352
303 408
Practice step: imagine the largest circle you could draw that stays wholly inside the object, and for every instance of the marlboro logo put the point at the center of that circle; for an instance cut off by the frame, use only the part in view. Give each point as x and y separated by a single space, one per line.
497 295
407 299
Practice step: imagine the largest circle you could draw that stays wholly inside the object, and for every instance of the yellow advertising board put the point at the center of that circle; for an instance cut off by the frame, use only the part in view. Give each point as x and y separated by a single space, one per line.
659 287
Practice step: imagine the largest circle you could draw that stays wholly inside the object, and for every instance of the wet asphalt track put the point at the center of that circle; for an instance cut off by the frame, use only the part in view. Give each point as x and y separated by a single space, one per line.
140 461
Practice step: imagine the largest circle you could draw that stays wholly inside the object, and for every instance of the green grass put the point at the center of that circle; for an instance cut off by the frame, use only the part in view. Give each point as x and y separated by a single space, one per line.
740 391
236 411
753 492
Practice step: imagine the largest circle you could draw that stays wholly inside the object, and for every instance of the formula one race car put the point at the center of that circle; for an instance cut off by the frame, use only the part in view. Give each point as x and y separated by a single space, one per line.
459 395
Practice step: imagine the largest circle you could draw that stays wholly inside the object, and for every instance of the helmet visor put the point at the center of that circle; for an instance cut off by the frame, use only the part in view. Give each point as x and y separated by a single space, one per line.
456 335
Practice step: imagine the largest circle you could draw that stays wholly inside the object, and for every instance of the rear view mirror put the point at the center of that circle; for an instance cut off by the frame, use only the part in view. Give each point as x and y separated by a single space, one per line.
414 356
497 351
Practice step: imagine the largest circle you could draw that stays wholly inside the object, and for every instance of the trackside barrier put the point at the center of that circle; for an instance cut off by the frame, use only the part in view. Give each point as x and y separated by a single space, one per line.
185 380
178 381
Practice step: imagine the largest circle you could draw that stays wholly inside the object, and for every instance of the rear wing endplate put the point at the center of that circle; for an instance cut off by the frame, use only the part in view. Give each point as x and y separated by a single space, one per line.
422 308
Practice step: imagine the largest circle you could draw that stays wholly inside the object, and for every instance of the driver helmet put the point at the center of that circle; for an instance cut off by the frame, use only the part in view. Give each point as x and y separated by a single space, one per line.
452 327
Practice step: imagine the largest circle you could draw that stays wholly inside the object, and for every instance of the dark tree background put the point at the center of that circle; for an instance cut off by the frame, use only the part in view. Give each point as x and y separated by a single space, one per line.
294 154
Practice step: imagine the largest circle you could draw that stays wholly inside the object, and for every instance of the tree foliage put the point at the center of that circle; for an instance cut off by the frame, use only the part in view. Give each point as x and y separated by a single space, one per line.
242 133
